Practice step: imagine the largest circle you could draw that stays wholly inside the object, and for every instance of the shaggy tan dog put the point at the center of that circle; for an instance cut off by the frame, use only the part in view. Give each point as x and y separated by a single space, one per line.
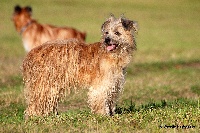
34 34
52 70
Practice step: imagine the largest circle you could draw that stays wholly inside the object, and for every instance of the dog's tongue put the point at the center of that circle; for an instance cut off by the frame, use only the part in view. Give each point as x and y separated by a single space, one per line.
111 47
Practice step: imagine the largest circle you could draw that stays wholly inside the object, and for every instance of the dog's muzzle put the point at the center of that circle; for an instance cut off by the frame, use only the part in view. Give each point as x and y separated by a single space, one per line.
107 40
110 44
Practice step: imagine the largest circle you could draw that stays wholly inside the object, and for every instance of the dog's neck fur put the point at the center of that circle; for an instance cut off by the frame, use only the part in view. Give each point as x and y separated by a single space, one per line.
123 57
25 27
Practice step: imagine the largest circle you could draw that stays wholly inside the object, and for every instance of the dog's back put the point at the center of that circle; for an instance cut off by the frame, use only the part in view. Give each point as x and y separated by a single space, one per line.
35 34
63 57
64 33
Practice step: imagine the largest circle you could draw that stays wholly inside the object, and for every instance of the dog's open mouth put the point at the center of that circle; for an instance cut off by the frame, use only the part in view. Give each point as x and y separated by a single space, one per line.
111 47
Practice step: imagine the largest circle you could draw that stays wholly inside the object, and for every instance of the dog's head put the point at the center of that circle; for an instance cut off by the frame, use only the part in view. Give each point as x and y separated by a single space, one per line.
118 34
21 15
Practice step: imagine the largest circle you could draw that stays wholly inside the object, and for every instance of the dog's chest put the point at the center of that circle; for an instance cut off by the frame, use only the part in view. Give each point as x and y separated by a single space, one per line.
26 44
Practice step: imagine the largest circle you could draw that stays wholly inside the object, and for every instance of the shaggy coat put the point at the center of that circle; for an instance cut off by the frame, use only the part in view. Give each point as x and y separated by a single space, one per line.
56 67
34 34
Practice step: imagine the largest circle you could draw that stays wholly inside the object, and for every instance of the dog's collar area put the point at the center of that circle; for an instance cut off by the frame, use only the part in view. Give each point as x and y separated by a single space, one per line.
25 27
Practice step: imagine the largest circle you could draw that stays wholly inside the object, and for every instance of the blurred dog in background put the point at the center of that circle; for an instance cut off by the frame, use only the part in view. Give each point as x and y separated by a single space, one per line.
34 34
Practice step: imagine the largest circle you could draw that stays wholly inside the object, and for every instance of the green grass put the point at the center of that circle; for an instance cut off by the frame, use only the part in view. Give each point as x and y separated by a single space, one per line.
163 80
148 117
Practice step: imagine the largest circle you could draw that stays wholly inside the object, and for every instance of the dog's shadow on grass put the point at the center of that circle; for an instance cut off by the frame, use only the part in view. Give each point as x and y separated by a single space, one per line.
130 107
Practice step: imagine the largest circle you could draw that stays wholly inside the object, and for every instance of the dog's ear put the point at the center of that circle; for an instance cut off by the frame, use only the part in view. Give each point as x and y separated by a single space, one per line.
28 9
129 24
18 9
111 18
104 25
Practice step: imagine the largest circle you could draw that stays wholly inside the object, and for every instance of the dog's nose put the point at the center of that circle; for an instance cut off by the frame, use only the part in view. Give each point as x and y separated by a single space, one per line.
107 40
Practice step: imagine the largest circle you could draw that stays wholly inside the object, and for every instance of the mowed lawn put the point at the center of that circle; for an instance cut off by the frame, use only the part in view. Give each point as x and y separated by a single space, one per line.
162 88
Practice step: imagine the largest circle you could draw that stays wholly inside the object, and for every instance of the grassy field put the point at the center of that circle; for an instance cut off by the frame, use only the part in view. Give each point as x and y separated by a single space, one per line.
162 87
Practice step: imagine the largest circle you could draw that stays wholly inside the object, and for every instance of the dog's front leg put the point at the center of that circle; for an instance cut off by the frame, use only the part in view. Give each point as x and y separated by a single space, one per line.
98 101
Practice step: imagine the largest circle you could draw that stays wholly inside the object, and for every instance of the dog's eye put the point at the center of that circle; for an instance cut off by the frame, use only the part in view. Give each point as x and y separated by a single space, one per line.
106 32
117 33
